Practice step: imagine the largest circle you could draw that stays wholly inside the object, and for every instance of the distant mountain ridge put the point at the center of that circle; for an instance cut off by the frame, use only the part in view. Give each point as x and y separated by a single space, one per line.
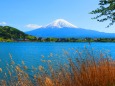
63 29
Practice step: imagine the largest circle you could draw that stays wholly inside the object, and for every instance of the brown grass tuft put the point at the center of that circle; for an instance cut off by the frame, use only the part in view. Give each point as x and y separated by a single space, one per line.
87 69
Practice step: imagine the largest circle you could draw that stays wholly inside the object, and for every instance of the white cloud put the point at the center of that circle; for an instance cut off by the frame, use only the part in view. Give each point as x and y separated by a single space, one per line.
3 23
33 26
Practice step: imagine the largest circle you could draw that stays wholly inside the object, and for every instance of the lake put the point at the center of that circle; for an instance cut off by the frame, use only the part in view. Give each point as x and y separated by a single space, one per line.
32 52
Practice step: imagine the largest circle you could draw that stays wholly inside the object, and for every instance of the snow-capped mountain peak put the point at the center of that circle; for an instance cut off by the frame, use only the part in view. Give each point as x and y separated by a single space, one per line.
63 29
61 23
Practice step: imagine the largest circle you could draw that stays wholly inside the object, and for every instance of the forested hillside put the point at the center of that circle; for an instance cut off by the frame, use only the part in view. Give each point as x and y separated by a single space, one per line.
8 33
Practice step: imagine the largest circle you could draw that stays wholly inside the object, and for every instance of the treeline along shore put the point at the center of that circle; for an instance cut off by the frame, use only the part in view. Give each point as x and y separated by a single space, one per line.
11 34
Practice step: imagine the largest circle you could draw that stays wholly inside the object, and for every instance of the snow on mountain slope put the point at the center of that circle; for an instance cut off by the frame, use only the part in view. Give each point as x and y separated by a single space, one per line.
61 29
60 23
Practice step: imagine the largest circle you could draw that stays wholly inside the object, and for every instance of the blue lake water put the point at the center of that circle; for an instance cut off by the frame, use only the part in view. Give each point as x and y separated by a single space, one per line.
31 52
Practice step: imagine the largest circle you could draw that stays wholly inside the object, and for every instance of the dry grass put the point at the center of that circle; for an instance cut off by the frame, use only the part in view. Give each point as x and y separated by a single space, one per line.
87 69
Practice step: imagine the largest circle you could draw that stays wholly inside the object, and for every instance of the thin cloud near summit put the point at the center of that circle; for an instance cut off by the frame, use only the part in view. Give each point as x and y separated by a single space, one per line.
33 26
3 23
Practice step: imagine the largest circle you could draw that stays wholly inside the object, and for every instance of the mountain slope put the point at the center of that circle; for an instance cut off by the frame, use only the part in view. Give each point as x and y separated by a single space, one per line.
63 29
7 32
69 32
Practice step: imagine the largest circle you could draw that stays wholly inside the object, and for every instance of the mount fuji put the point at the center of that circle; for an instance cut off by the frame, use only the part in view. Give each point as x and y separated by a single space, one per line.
61 28
60 23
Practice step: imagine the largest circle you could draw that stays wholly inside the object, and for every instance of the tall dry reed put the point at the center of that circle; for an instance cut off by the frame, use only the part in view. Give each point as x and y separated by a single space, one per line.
88 68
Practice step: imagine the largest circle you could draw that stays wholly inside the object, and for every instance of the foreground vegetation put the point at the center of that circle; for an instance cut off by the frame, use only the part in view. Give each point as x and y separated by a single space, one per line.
86 68
106 11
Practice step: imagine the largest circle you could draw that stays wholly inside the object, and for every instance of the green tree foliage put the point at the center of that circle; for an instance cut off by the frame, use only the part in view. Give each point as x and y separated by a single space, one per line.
8 33
106 11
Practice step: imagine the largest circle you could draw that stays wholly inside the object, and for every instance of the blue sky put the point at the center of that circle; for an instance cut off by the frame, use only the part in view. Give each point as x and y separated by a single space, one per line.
22 13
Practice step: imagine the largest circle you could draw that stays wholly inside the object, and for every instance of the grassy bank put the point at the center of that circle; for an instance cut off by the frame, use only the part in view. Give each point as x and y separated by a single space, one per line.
88 68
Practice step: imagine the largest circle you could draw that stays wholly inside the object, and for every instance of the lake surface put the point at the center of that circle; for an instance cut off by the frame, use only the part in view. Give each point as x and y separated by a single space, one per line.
32 52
